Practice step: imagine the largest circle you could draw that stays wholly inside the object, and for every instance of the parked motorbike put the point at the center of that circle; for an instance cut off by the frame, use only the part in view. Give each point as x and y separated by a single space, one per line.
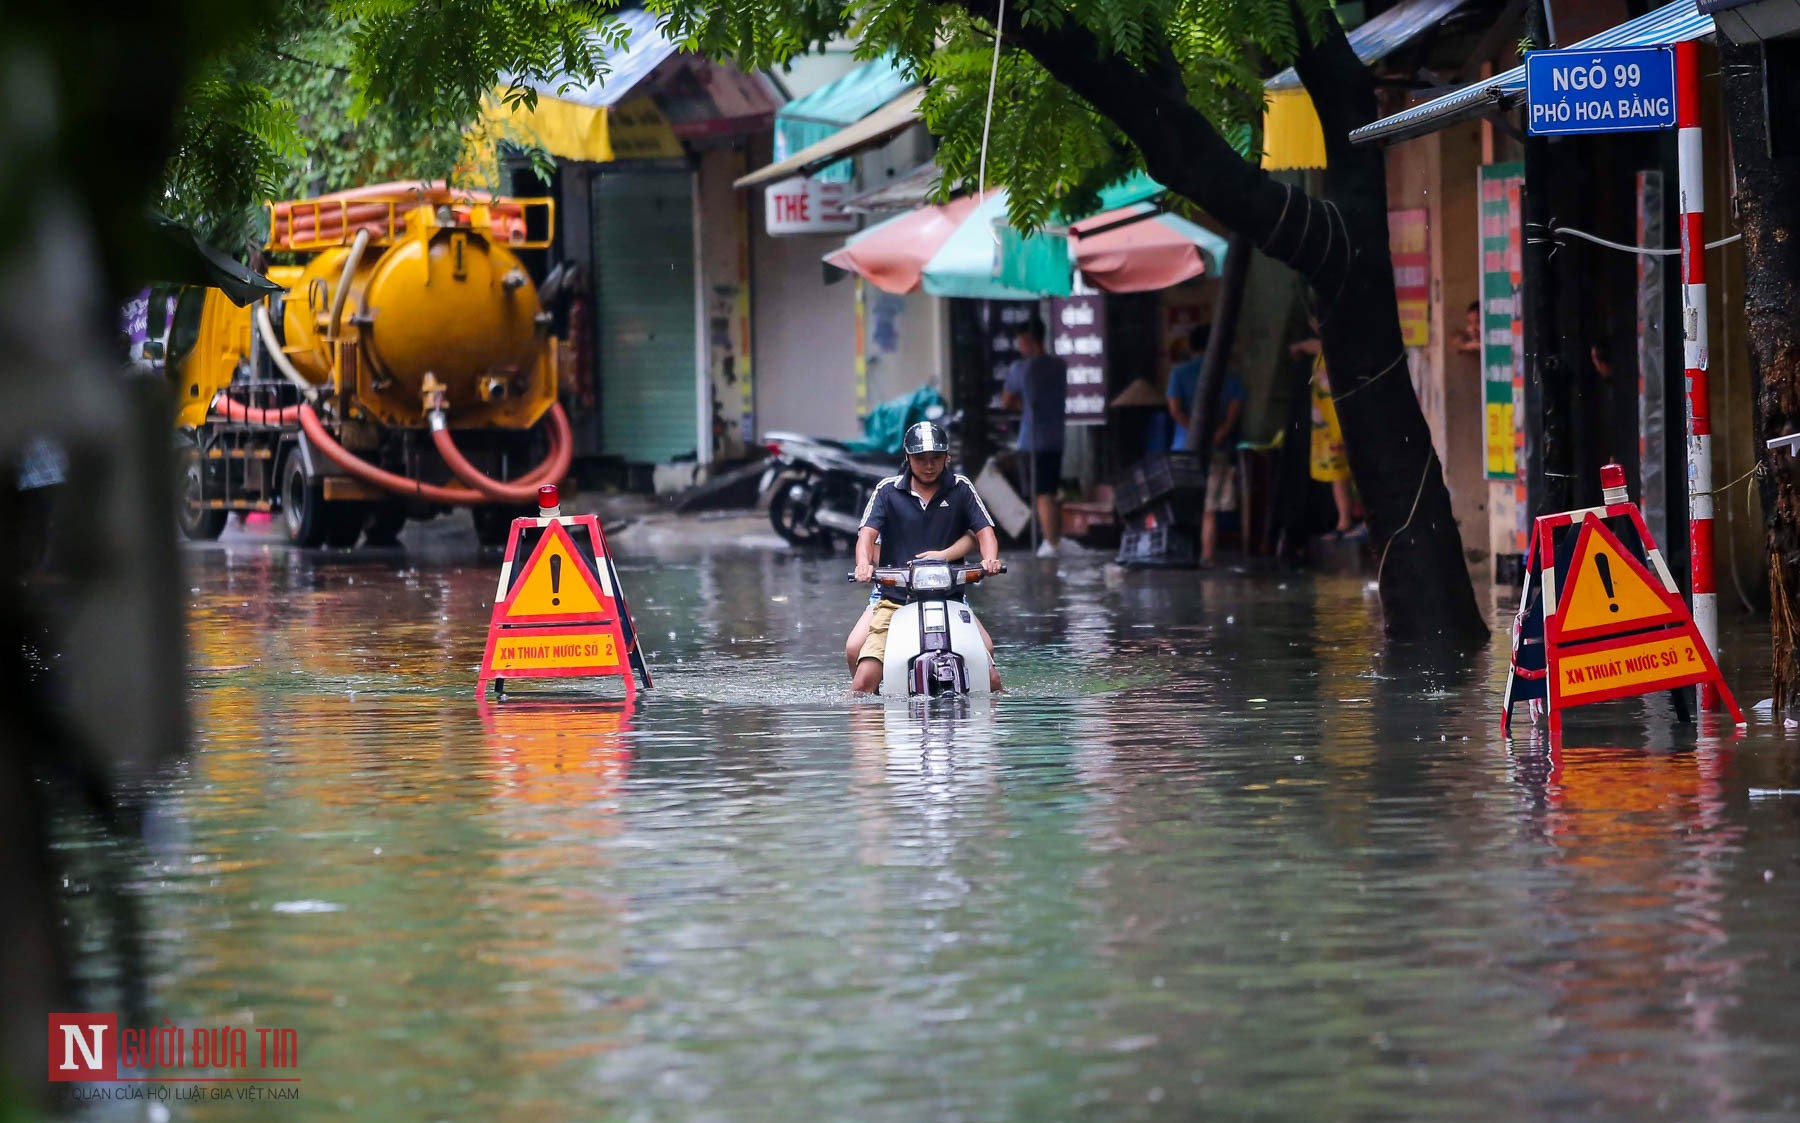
934 645
818 488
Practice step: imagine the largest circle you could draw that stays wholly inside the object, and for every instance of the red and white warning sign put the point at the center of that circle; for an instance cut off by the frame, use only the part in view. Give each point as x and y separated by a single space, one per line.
561 614
1618 626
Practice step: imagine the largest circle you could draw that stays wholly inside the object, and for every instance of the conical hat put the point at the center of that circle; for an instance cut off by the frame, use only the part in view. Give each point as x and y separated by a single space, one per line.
1139 393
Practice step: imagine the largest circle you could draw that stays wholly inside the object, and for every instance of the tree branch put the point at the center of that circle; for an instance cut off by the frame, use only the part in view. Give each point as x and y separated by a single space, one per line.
1344 86
1181 148
313 62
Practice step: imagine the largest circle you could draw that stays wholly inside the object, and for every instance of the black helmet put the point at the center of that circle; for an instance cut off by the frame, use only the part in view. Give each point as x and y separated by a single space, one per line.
925 437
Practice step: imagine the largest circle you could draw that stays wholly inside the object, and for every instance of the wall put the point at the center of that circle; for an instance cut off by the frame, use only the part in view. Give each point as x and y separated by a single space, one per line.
726 337
803 337
906 344
575 243
1436 173
1456 279
804 330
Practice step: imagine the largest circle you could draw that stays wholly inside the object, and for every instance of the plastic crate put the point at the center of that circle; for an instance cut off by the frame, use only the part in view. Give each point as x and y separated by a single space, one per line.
1168 512
1169 547
1175 477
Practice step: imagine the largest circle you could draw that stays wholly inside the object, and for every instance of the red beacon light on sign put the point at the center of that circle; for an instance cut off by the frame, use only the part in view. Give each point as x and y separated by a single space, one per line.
1612 484
549 504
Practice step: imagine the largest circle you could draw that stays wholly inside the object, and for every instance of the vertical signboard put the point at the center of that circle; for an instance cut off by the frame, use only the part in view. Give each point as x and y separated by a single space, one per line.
1078 336
1407 232
1499 309
1652 417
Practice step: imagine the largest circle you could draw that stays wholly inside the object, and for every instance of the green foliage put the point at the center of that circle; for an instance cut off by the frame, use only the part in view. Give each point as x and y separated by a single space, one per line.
430 62
347 144
330 95
353 91
1047 146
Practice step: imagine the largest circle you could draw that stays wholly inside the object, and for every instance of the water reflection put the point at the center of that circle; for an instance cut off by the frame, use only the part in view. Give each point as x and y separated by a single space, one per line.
1208 857
1639 846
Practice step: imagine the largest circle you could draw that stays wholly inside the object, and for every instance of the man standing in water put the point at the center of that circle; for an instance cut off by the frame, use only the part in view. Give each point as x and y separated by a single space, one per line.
1037 385
917 511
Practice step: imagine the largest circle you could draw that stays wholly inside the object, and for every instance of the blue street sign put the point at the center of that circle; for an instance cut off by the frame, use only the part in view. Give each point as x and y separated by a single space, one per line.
1612 90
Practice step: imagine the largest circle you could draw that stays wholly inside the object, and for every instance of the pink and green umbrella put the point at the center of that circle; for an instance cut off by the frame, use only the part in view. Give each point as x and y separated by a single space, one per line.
964 248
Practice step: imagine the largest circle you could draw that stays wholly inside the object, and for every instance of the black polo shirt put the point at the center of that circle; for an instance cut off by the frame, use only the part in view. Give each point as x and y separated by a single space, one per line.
908 526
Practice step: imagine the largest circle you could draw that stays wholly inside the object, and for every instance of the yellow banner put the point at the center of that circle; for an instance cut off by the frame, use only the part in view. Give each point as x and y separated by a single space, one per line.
1640 668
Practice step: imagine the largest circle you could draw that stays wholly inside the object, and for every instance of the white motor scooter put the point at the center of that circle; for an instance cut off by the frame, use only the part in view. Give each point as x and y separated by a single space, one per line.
934 646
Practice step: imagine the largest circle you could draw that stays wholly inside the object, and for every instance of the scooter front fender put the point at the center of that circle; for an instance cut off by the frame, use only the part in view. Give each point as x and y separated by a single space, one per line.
904 643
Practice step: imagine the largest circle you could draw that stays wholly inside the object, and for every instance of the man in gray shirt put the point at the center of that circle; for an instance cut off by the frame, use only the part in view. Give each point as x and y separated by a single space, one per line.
1037 385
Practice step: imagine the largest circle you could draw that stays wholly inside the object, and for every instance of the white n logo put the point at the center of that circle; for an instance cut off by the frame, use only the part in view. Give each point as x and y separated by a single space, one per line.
74 1039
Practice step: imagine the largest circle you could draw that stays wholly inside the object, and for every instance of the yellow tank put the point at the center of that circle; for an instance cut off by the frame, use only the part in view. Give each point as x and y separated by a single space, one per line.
438 300
435 289
408 309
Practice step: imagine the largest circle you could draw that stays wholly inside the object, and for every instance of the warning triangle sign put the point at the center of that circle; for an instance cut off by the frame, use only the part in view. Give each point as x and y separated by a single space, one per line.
1609 590
556 582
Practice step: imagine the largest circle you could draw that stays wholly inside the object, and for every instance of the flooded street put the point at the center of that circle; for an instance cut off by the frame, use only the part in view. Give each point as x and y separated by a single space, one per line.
1201 860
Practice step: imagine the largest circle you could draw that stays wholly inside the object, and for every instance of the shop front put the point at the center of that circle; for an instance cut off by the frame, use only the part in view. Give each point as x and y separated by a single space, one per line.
657 244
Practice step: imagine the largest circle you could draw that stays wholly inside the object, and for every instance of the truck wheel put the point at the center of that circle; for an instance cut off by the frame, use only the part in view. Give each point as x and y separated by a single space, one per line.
303 505
384 523
197 522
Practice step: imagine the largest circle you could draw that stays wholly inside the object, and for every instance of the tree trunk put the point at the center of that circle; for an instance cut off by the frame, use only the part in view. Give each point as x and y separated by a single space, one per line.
1769 216
1340 245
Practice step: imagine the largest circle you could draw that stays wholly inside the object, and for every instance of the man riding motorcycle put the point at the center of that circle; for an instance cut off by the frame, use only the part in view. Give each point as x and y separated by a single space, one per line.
914 513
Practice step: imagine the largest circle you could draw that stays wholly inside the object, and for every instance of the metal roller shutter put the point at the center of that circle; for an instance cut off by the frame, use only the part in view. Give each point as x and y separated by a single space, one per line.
644 265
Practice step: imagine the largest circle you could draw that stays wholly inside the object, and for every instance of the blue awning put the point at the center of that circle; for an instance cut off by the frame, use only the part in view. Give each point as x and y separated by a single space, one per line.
1384 34
645 49
806 121
1676 22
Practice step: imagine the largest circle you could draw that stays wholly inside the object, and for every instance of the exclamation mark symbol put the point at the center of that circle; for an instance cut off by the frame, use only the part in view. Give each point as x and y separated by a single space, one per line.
1600 563
556 579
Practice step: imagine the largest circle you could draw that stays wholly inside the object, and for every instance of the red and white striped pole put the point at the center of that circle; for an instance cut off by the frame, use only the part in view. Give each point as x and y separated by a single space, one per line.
1692 176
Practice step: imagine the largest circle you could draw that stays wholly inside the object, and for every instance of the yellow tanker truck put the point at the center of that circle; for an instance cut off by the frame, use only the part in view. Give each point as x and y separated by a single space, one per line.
407 368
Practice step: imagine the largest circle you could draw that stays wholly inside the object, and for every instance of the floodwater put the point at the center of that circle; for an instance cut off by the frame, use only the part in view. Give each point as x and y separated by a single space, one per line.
1204 860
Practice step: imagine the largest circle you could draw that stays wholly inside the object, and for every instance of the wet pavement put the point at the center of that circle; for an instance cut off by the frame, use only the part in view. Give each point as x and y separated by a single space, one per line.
1203 860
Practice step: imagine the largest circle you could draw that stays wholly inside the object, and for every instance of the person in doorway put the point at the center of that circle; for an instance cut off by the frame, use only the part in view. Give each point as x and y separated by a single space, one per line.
910 514
1330 463
1183 377
1221 472
1037 385
1468 339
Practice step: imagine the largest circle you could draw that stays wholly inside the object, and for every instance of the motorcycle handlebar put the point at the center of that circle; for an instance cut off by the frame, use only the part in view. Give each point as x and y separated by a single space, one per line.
851 576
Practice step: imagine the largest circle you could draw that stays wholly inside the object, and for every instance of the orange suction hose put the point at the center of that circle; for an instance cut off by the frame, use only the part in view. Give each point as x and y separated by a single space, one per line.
524 489
555 466
239 412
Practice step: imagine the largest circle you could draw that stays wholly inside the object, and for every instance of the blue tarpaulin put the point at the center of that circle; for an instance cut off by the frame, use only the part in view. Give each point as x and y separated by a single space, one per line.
885 427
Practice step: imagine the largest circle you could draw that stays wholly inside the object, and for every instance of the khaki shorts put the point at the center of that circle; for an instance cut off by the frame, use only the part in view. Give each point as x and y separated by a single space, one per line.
875 647
1221 483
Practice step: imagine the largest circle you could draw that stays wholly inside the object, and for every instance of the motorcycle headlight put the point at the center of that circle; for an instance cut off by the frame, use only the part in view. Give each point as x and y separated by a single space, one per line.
930 578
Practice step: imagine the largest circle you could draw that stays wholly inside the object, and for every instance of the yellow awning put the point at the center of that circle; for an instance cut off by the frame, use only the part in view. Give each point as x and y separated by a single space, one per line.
1292 136
632 130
